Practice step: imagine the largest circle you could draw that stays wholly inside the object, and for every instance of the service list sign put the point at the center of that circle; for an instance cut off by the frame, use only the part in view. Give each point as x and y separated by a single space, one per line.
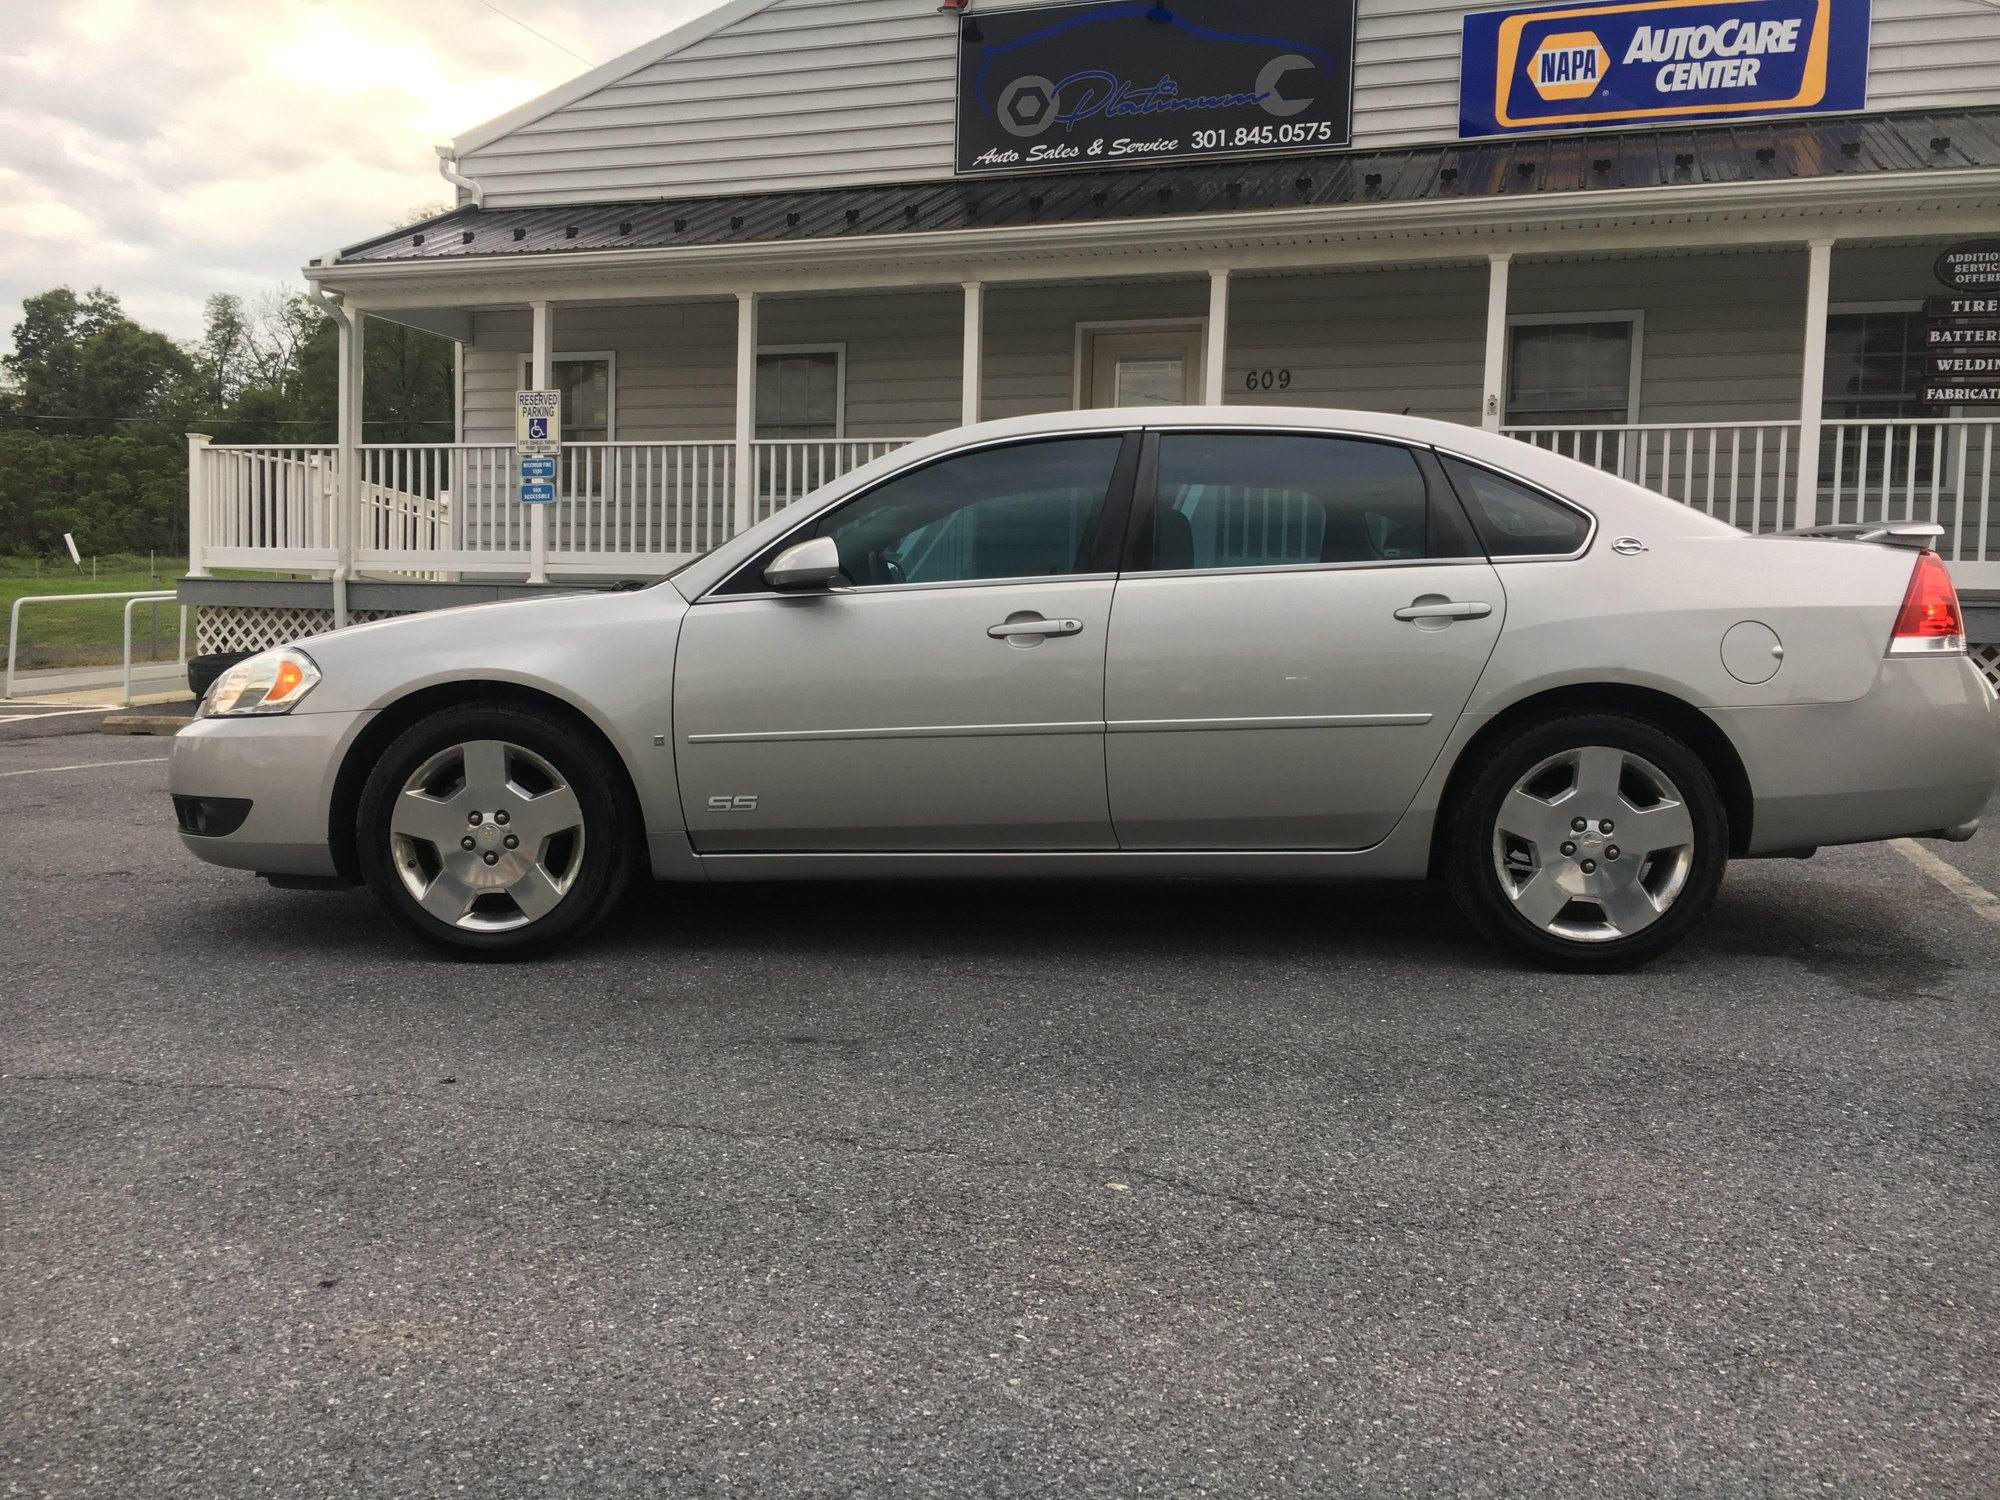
1573 67
1123 83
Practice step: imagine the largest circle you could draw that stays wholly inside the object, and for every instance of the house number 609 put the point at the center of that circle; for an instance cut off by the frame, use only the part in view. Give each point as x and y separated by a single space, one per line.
1268 380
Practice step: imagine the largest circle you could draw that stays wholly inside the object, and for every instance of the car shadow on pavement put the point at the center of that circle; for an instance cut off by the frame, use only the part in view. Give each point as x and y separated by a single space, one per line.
1862 941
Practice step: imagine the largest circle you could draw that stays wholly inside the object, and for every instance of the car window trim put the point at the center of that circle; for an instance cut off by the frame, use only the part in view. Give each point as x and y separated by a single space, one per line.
1122 471
1429 471
1561 501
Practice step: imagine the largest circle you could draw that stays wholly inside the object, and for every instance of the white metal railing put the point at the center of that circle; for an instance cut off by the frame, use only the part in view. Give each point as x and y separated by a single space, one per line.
1745 473
132 598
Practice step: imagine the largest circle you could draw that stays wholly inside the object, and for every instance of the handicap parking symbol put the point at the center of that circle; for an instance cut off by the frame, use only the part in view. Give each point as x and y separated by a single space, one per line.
538 429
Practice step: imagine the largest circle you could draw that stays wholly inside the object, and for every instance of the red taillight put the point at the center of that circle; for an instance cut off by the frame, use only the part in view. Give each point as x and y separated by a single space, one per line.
1930 620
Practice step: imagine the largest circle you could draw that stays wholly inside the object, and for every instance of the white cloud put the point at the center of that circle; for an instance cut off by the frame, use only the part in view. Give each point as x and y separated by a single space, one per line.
167 149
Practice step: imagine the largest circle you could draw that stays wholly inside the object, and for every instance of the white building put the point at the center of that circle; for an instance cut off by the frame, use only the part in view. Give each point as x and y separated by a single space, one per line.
1699 244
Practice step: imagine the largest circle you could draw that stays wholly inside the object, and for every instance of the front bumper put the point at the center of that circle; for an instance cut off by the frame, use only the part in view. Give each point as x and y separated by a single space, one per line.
1919 753
285 766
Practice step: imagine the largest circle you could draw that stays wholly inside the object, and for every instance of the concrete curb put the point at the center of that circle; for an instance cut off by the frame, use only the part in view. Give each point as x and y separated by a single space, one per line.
145 724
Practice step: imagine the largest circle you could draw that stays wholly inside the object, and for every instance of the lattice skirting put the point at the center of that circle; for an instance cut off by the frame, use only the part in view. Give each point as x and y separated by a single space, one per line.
1987 659
240 627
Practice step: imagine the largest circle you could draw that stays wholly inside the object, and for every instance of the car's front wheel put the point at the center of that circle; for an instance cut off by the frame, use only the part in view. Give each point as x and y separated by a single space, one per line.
1588 842
494 831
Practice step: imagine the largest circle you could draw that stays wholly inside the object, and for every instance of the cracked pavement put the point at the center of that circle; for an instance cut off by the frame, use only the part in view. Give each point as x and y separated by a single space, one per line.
981 1190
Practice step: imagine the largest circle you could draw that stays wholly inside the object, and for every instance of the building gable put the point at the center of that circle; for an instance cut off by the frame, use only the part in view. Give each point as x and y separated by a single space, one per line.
764 95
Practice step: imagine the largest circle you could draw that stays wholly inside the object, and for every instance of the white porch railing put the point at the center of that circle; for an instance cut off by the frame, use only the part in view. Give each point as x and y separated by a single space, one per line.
789 469
1745 473
1942 469
640 509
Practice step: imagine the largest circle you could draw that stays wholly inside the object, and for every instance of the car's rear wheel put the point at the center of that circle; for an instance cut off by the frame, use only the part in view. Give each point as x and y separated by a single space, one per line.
1587 842
494 831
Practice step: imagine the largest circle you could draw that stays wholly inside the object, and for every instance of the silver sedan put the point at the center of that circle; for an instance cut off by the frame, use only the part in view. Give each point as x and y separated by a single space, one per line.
1204 642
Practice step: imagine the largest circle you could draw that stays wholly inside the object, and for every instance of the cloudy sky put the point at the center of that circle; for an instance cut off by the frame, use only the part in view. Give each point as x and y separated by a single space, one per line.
166 149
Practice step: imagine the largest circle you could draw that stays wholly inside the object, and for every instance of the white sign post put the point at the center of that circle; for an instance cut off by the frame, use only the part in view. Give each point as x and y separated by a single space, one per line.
538 443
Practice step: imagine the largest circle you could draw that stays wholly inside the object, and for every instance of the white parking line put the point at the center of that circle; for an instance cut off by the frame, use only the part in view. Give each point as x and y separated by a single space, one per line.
1953 879
54 713
89 765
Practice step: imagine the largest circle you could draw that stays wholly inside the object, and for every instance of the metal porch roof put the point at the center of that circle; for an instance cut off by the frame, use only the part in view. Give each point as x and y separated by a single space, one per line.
1765 151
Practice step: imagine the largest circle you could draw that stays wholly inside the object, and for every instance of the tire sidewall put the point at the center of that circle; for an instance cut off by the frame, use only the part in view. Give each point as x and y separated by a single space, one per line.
606 842
1475 883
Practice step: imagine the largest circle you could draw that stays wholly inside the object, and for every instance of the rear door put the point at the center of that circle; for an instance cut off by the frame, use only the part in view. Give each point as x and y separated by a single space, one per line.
1301 622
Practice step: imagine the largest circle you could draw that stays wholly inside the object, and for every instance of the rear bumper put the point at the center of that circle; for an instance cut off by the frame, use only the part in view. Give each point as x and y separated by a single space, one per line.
285 767
1918 753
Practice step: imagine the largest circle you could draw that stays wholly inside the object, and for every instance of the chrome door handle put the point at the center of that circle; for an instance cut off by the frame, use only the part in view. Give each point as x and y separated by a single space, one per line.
1015 628
1445 611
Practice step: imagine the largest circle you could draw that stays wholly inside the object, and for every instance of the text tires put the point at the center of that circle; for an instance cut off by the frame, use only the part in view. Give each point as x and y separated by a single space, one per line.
495 831
1590 842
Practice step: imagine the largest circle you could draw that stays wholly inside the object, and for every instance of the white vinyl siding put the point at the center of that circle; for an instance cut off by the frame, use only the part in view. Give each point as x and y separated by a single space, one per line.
677 362
1724 334
828 93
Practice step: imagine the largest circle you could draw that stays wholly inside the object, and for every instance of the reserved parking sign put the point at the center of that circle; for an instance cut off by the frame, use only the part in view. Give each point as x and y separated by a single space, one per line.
537 424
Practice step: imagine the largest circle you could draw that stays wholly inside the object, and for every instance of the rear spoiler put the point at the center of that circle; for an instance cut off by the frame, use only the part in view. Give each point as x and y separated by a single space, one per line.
1919 536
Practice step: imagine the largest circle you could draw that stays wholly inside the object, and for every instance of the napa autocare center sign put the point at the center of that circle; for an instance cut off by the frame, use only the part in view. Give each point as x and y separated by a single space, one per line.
1573 67
1124 83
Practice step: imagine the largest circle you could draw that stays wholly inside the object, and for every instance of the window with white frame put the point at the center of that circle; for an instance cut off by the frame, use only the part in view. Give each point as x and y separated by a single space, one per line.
801 391
585 381
1572 371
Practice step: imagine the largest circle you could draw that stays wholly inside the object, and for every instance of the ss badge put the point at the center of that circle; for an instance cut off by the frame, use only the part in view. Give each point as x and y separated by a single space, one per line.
732 804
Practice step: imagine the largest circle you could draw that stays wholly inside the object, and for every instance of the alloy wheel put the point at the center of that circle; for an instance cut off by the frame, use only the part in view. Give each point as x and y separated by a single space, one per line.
1593 844
487 836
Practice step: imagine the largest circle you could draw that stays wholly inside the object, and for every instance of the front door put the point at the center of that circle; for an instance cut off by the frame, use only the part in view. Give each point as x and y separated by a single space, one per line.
1142 366
1297 639
951 699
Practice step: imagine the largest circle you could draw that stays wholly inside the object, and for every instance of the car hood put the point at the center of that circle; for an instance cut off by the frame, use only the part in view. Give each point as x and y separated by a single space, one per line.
552 644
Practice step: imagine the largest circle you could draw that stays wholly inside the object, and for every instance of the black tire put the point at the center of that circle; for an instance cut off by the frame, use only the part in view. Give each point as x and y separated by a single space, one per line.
1490 871
541 751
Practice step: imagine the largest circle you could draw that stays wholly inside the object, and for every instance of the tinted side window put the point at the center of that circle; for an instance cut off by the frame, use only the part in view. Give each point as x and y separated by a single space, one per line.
1259 500
1513 520
1027 511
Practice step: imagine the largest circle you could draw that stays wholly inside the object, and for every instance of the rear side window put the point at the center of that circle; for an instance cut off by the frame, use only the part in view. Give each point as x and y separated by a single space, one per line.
1513 520
1261 500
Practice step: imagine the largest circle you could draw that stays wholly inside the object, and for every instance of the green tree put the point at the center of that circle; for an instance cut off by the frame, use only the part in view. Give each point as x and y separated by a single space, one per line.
45 367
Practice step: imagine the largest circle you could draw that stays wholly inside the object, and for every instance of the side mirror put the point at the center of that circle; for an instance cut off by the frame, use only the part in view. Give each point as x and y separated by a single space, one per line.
807 565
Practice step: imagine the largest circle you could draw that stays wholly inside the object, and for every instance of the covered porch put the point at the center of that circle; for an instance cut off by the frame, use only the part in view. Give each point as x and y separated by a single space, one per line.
1754 360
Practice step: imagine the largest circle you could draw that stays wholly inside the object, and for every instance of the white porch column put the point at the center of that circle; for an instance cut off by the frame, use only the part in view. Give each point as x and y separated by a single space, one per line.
972 382
1812 381
349 433
198 504
543 330
1215 362
1493 399
746 411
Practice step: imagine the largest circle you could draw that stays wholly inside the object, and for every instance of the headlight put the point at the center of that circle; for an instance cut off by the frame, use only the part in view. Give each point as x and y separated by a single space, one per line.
271 682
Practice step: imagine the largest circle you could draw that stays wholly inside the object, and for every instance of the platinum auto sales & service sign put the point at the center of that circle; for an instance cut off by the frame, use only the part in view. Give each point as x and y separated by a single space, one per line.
1129 82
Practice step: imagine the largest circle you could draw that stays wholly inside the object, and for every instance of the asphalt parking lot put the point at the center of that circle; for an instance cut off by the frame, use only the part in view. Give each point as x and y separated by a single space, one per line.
999 1190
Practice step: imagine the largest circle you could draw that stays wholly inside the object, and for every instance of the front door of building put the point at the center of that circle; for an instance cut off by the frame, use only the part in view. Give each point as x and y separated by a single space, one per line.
1142 366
